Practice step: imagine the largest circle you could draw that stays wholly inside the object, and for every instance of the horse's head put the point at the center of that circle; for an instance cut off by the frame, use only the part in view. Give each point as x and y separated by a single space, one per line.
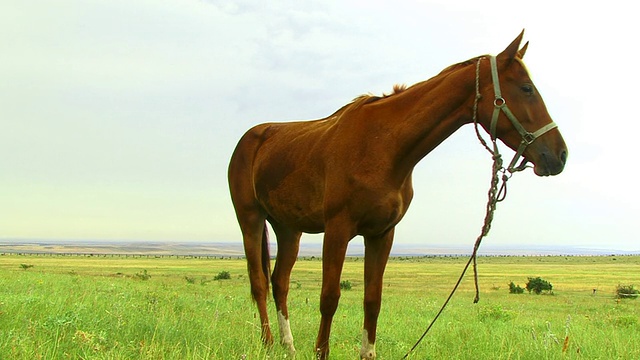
520 118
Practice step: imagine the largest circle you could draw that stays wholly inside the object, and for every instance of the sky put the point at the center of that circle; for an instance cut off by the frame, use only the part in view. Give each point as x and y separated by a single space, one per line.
118 118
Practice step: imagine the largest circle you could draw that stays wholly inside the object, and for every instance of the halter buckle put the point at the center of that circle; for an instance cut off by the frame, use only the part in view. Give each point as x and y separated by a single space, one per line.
499 102
528 138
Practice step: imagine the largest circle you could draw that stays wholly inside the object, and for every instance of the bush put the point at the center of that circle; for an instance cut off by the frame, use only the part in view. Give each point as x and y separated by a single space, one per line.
144 276
25 266
190 279
223 275
515 289
538 285
345 285
626 292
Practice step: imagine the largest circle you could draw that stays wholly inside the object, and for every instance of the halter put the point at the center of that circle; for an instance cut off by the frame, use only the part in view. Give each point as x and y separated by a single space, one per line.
500 104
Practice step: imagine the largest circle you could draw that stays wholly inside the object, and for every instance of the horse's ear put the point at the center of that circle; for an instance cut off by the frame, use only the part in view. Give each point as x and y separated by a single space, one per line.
512 50
523 50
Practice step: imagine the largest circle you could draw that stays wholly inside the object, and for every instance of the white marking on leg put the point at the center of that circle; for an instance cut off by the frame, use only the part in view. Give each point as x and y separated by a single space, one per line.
286 338
367 351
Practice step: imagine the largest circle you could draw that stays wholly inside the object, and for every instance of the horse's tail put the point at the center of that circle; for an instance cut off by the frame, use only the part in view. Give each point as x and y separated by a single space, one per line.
266 256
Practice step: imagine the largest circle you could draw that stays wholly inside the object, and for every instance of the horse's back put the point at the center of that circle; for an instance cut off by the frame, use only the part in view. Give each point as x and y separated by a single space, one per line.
271 143
278 168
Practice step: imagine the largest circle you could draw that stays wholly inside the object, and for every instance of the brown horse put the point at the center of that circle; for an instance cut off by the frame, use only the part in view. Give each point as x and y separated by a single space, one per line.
350 174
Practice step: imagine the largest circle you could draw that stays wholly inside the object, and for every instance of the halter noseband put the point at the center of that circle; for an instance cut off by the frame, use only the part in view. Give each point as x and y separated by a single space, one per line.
499 104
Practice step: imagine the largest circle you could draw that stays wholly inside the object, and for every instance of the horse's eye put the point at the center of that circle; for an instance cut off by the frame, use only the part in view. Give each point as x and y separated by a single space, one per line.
528 89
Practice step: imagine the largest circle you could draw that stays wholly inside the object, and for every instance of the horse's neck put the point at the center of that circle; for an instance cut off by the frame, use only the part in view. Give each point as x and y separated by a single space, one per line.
428 113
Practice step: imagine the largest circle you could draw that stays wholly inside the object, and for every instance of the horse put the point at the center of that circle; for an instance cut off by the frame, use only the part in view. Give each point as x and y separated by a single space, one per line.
350 174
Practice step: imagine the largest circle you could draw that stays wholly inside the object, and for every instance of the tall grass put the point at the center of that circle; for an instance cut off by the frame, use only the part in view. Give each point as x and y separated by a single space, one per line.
97 308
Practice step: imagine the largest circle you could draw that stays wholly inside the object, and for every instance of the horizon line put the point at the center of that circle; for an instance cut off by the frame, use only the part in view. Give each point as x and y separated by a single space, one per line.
235 248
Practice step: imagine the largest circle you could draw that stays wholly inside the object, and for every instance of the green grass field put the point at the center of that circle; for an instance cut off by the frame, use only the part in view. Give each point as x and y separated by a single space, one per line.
168 308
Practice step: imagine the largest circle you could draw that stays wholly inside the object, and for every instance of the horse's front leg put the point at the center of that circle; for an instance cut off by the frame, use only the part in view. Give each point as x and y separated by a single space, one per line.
376 255
334 250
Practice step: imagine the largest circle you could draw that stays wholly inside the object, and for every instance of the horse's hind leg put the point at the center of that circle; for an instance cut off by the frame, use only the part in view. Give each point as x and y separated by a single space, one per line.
254 234
288 246
251 218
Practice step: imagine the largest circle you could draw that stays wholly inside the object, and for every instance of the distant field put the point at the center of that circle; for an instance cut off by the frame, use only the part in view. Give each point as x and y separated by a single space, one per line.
60 307
235 248
146 248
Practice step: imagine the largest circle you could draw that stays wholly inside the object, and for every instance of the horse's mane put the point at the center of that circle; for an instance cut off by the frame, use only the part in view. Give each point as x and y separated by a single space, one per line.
365 99
459 65
369 98
399 88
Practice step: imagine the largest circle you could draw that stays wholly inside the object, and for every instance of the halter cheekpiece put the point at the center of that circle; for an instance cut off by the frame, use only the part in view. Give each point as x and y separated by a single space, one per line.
500 104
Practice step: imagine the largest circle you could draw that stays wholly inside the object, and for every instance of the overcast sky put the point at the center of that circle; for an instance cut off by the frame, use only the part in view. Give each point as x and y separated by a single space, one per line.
118 118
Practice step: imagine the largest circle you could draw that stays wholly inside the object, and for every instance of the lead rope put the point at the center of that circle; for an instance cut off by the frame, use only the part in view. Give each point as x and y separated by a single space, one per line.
494 196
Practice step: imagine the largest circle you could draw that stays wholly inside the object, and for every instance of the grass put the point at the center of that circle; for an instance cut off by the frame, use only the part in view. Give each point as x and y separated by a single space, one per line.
124 308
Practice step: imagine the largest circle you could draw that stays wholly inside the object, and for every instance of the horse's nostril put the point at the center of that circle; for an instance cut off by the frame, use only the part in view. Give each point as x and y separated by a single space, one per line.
563 156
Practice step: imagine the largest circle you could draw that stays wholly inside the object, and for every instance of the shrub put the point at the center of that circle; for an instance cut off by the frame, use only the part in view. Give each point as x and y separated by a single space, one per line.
538 285
626 292
144 276
25 266
515 289
345 285
190 279
223 275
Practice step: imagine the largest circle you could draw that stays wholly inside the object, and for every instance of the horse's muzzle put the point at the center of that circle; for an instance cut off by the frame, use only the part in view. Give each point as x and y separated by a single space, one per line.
550 164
